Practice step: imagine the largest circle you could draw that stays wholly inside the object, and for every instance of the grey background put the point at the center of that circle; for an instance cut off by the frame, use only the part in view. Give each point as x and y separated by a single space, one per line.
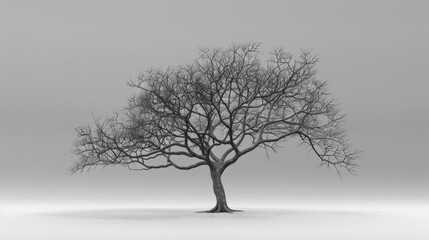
63 61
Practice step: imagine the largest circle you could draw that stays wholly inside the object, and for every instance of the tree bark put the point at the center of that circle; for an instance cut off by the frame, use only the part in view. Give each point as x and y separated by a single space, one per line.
221 205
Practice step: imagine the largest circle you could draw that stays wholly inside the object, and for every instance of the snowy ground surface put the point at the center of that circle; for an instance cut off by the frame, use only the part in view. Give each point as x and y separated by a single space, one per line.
299 223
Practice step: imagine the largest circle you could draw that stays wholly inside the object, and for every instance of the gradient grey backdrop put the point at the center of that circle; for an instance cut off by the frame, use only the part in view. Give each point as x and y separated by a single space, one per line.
62 61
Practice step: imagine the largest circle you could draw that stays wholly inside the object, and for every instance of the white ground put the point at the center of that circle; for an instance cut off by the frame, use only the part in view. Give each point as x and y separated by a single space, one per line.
407 222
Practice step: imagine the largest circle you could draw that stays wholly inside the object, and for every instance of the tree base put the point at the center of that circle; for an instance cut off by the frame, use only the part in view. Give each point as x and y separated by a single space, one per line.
221 209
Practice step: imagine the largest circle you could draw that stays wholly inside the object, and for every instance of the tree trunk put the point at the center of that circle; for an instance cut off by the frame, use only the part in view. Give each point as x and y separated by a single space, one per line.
221 205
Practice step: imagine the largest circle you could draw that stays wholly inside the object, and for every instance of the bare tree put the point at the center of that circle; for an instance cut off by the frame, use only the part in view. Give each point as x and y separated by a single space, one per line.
215 110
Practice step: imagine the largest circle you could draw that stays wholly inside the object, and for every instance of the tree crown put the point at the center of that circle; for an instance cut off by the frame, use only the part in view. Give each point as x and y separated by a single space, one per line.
218 108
